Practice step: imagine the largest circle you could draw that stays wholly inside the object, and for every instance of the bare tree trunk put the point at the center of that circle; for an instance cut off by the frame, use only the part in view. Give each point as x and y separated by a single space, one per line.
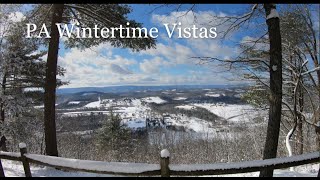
299 143
2 111
317 128
288 144
2 116
51 83
318 137
3 144
271 144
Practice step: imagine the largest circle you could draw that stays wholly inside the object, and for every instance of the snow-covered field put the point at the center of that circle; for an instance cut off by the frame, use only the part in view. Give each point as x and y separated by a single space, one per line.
156 100
74 102
180 98
191 124
134 112
187 107
15 169
230 112
212 94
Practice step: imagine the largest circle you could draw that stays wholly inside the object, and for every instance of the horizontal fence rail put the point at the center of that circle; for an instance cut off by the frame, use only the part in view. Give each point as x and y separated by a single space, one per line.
14 156
243 167
163 168
118 168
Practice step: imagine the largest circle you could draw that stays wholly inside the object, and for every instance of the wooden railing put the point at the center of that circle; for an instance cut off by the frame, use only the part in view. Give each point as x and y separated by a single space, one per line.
163 168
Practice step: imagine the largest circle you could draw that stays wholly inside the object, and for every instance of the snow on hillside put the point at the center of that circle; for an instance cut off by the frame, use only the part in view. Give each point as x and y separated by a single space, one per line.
134 112
187 107
191 124
76 113
155 99
179 98
15 169
136 124
105 103
95 104
74 102
87 94
42 106
212 94
231 112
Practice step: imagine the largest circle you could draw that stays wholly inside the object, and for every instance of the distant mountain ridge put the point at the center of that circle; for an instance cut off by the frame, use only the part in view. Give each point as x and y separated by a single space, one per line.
122 89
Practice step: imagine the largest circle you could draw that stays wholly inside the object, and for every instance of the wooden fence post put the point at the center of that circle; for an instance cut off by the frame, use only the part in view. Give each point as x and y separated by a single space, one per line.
164 163
1 170
26 166
3 144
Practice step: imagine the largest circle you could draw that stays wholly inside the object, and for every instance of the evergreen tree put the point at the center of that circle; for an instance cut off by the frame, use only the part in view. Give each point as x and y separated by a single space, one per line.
22 70
88 16
114 136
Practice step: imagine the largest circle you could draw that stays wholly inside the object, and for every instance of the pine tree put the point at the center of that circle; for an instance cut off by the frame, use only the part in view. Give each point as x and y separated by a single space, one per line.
87 15
22 70
114 136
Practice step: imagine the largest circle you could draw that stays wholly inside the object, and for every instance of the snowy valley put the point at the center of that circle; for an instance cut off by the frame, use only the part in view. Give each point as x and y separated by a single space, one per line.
168 109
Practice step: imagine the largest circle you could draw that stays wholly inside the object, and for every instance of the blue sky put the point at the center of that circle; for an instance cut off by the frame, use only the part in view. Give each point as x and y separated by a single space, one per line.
171 63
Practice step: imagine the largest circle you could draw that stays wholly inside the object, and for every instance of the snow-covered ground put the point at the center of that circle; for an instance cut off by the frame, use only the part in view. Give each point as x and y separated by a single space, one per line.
230 112
15 169
112 102
135 124
210 94
155 99
191 124
309 170
179 98
134 112
187 107
41 106
95 104
87 94
74 102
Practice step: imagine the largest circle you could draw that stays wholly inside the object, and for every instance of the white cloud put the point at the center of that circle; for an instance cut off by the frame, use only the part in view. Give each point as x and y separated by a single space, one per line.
151 66
148 79
176 51
187 19
99 66
117 69
95 66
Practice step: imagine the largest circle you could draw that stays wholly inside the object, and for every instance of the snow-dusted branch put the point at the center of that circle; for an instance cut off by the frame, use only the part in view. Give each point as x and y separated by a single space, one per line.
234 22
311 71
